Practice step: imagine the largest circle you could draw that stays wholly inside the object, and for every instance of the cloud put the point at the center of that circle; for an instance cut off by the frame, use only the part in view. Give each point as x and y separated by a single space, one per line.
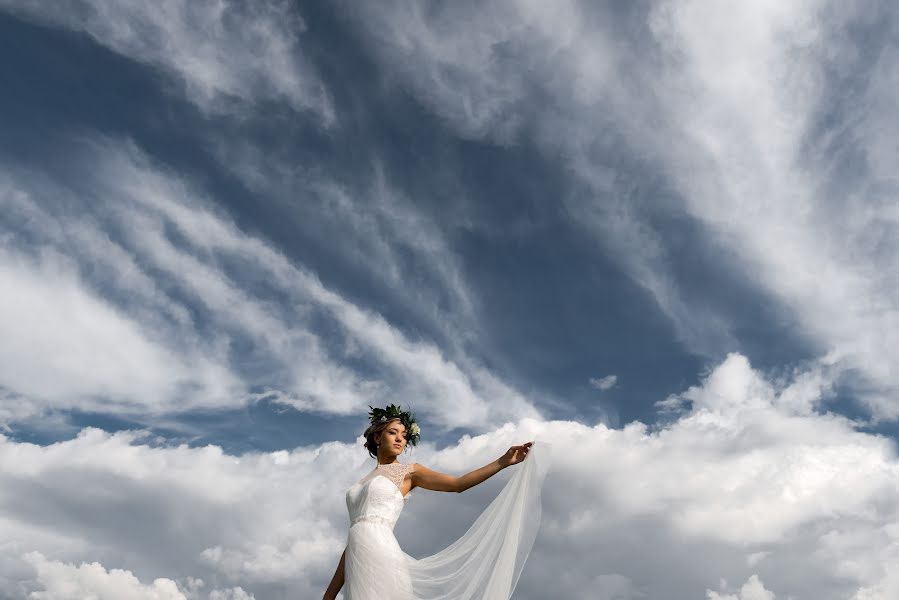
730 122
604 383
740 487
167 305
67 346
196 509
55 580
386 238
64 582
753 589
478 78
226 56
759 179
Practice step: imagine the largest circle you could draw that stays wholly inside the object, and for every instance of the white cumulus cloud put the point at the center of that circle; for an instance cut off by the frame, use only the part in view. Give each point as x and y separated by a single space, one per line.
739 487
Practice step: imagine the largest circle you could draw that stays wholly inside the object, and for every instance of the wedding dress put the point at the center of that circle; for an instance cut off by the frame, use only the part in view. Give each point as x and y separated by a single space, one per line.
484 564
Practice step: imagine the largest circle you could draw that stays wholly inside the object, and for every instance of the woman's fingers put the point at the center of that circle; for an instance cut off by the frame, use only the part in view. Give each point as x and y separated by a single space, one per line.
516 454
519 453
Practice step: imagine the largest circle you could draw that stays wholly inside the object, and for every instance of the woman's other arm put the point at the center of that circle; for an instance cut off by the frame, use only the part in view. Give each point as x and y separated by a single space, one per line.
337 580
441 482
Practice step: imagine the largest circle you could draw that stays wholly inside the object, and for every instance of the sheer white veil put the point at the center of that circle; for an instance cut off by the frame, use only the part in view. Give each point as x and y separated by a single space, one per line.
486 562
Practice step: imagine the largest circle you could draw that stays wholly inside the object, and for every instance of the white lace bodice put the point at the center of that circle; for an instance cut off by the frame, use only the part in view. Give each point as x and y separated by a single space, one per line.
376 498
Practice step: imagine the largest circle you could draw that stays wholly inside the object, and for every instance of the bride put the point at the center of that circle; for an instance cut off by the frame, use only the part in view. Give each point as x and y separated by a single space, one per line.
484 564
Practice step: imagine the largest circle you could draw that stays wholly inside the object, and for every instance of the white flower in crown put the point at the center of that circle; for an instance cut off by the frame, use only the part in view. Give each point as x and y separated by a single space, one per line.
383 419
415 429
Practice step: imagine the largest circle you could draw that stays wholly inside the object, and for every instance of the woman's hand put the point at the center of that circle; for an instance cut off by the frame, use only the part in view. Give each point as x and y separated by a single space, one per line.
515 455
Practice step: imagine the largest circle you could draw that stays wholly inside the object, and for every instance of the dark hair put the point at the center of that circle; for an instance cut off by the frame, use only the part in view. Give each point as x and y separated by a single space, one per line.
373 433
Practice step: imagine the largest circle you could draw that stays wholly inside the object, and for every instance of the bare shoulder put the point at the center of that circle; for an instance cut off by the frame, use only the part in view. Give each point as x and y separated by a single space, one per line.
429 479
415 469
422 470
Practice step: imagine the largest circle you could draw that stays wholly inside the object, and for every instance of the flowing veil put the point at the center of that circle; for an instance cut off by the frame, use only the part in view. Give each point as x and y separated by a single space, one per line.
486 562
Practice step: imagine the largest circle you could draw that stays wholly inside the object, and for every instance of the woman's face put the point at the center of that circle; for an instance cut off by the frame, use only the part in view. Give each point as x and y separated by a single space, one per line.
393 439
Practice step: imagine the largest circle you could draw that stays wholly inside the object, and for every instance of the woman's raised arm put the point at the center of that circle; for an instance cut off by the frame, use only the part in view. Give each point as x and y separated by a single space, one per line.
441 482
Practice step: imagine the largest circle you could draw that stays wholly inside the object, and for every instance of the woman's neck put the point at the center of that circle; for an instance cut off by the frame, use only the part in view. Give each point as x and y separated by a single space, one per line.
381 462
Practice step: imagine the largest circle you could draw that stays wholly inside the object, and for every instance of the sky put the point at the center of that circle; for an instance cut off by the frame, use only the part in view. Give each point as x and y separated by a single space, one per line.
659 236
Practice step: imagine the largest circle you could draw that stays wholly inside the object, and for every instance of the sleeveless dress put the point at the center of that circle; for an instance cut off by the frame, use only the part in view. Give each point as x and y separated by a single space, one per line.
484 564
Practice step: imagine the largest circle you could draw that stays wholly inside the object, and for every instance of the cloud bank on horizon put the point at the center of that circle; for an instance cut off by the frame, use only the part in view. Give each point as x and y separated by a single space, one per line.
747 494
660 237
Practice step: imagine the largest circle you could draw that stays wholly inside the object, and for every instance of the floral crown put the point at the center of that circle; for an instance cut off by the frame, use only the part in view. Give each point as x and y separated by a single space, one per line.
382 415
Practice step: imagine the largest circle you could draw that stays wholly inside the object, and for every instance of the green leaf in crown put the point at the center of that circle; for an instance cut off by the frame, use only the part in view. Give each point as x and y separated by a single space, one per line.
392 411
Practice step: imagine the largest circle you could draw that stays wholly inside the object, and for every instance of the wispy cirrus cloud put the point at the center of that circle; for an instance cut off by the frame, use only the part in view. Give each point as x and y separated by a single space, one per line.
761 178
226 55
64 345
370 226
212 317
724 108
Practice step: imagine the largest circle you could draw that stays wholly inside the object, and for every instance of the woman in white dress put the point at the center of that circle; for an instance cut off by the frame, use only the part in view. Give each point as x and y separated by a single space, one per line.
484 564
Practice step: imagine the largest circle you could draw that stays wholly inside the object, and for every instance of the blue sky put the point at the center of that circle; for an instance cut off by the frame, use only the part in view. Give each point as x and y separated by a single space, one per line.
229 229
